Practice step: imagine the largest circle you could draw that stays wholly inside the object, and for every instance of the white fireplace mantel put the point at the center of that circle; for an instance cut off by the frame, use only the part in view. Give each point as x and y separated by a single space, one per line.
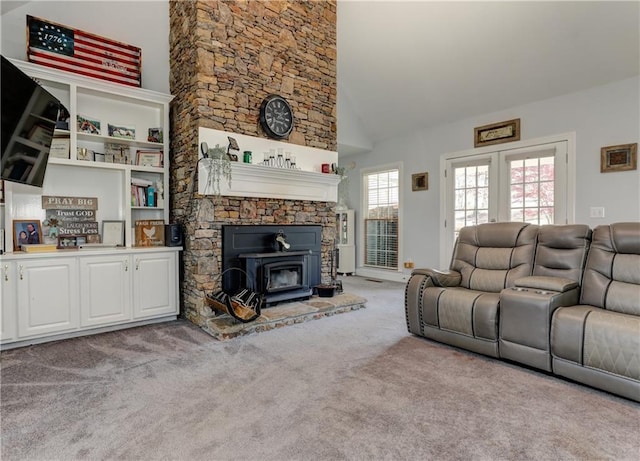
269 182
255 180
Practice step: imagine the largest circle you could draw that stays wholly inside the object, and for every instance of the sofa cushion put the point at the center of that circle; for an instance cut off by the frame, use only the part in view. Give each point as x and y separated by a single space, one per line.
612 278
468 312
562 251
597 338
490 257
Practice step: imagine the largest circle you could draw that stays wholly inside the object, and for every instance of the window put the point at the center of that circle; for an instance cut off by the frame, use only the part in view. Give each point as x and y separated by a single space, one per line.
527 184
381 218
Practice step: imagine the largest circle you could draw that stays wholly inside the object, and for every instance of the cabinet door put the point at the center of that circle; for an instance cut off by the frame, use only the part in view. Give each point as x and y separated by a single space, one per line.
155 284
105 290
47 296
8 296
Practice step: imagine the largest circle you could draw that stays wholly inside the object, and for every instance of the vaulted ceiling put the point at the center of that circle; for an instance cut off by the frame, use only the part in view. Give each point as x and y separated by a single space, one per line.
406 65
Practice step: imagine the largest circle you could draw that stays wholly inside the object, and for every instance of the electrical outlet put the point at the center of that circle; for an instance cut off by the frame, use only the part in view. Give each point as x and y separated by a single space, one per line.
596 212
409 264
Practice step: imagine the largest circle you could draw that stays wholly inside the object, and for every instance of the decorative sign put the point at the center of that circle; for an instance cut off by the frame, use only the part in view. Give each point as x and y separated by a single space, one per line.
149 233
53 202
73 50
78 228
497 133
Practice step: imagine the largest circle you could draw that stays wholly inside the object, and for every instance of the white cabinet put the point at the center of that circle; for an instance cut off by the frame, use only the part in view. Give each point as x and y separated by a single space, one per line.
8 325
47 299
48 296
154 281
345 235
105 290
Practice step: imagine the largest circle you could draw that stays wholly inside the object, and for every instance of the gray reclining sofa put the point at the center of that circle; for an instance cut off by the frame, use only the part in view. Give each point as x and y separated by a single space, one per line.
559 298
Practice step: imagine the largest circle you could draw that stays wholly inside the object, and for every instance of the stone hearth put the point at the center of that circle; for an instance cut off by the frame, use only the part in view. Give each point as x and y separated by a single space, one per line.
225 327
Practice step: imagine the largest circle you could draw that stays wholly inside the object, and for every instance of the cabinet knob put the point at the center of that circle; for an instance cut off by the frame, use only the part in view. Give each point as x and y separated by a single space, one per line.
6 272
137 264
21 272
126 265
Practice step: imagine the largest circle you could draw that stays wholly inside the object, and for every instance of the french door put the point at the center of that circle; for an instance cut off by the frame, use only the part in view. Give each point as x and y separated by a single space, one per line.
526 184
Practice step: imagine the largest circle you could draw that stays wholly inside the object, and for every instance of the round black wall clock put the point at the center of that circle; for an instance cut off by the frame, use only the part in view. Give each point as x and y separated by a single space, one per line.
276 116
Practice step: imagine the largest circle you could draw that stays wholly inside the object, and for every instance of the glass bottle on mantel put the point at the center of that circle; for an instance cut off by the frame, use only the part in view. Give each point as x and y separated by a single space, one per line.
280 162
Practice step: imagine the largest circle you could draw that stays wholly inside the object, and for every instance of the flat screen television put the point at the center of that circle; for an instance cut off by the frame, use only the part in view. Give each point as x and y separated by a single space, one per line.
29 115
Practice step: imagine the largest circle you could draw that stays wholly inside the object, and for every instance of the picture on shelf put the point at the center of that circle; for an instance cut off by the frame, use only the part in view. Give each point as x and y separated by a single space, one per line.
60 147
88 125
122 131
149 233
155 135
116 153
113 233
26 231
71 241
149 158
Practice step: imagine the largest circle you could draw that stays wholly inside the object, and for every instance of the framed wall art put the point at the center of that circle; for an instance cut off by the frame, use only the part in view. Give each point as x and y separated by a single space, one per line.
497 133
623 157
113 233
420 181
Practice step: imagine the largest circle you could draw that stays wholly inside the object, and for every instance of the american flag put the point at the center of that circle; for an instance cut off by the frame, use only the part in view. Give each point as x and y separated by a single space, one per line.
61 47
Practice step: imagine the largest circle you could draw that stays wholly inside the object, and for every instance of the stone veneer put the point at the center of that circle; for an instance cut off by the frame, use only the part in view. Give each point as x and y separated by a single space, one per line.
226 57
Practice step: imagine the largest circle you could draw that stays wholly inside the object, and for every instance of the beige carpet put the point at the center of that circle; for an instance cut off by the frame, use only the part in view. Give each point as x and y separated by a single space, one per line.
354 386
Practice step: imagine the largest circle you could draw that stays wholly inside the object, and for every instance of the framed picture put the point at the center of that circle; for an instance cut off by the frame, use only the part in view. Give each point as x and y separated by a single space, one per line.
71 241
149 158
623 157
113 233
88 125
155 135
122 131
420 181
26 231
497 133
59 148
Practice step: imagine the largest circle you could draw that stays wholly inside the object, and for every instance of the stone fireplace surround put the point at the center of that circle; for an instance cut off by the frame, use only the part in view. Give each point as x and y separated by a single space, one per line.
203 245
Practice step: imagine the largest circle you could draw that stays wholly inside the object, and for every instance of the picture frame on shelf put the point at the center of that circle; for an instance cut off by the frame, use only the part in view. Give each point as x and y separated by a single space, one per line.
149 158
623 157
122 131
60 147
497 133
88 125
69 242
155 135
113 233
26 231
420 181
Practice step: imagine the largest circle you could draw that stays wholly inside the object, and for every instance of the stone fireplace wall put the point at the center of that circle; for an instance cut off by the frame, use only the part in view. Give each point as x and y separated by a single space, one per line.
226 57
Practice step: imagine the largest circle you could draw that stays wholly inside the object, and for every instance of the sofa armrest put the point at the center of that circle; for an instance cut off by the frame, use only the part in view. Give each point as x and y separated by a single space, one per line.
440 278
558 284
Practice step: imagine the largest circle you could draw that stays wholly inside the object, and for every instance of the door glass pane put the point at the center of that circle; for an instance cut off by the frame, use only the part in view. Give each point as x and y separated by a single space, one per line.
532 187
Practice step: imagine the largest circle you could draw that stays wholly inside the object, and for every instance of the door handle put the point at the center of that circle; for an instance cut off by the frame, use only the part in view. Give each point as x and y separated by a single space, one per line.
21 272
6 272
126 265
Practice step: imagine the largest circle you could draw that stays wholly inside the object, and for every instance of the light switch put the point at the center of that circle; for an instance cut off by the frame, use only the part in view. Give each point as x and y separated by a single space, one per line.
597 212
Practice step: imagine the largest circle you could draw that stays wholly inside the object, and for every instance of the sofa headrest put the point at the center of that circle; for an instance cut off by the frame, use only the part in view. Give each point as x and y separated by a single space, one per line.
498 235
566 236
625 237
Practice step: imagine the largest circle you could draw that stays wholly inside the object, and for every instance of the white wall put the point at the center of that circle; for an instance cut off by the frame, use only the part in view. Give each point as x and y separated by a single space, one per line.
602 116
144 24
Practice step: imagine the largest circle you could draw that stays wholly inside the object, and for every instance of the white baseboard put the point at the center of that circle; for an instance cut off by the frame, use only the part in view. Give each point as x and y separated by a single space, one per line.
392 276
